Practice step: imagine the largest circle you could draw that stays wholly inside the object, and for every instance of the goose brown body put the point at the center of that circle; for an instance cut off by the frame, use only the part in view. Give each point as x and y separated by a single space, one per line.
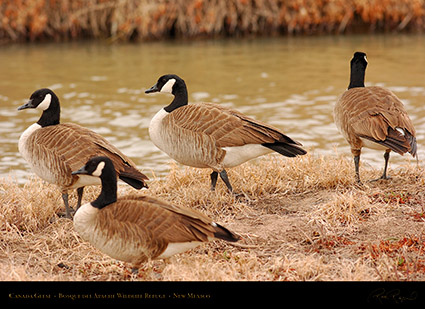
136 228
375 114
373 117
208 135
201 135
53 152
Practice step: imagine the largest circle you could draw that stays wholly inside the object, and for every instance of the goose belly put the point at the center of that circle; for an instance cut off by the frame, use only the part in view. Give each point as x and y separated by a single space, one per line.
187 150
372 145
241 154
187 154
178 247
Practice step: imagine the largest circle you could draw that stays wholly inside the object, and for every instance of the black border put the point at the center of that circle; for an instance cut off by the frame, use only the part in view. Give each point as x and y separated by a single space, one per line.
195 293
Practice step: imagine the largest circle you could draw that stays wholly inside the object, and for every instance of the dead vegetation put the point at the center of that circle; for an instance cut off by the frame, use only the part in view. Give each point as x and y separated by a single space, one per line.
300 219
133 20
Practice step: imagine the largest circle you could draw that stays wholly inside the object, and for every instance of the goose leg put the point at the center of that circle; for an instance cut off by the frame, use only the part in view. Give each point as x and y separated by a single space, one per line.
384 174
67 208
214 176
80 196
386 157
225 178
356 166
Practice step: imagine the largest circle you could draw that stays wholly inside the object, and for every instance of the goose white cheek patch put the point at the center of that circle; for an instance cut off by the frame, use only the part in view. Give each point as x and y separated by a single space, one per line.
99 169
168 86
45 103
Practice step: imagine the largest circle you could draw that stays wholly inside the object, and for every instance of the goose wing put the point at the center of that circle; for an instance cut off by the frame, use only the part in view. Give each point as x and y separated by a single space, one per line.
73 145
225 126
377 114
160 223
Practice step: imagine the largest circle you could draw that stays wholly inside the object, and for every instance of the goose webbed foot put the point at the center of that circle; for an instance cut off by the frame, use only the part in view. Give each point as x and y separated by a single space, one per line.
384 174
383 177
225 178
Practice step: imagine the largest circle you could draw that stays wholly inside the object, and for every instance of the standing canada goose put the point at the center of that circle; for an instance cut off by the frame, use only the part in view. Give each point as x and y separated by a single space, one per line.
136 229
208 135
372 117
54 150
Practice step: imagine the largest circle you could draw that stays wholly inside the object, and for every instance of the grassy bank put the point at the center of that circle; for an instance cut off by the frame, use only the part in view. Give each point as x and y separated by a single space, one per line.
300 219
133 20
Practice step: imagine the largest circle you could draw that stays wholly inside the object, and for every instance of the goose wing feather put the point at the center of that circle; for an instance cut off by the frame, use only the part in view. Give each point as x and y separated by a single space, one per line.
226 127
71 145
154 221
376 114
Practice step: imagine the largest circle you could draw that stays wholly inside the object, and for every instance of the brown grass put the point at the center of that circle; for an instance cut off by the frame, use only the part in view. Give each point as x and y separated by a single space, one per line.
300 219
134 20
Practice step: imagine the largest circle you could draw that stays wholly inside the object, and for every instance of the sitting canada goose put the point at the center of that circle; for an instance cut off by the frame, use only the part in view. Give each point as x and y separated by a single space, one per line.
208 135
136 229
54 150
372 117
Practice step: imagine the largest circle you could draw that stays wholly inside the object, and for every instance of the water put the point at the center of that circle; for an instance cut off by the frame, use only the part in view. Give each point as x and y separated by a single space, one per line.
291 83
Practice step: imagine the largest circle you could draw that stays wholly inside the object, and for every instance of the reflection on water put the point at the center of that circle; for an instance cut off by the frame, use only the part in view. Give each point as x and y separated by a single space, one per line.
291 83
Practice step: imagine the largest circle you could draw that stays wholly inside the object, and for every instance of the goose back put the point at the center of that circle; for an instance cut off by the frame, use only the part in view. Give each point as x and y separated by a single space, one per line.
375 114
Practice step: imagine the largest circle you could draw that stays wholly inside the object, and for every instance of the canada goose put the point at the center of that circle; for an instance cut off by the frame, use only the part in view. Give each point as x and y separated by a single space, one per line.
208 135
54 150
372 117
135 228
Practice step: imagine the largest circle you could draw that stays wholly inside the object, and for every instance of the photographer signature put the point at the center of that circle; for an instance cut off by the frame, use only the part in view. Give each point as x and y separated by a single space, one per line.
382 296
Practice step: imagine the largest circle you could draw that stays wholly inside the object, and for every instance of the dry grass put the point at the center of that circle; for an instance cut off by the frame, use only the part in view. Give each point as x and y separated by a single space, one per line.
134 20
300 219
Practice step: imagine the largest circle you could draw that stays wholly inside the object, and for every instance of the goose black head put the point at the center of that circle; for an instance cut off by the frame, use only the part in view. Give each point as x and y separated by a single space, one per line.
41 99
95 167
169 83
103 168
359 59
358 66
47 101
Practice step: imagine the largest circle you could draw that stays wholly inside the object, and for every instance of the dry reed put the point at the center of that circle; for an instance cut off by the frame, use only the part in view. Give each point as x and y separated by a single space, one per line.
131 20
300 219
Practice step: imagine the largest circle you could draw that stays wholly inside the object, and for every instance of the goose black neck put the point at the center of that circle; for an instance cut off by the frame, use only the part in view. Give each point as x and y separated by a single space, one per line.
357 75
50 116
180 98
108 194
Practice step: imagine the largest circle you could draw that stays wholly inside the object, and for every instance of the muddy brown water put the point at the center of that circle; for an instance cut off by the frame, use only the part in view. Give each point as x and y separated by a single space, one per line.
291 83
